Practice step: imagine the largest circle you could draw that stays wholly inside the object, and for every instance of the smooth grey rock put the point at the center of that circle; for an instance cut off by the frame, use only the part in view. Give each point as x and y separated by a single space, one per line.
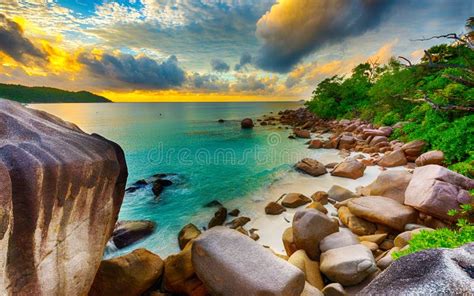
348 265
429 272
230 263
340 239
310 226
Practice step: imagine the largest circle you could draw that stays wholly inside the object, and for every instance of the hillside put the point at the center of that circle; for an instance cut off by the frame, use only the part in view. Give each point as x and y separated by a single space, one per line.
431 101
25 94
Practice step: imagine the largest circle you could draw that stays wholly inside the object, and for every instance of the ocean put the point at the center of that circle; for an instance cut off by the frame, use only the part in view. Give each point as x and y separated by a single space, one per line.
206 160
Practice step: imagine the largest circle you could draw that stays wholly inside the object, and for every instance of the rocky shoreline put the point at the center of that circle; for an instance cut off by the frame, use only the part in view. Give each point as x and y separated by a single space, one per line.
339 241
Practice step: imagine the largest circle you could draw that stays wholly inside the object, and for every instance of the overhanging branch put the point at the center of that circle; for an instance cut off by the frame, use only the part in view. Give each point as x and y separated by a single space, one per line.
438 107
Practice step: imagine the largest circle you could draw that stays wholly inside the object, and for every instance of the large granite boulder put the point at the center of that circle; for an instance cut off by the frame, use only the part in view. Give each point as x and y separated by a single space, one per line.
61 193
311 167
128 275
352 169
230 263
310 226
383 210
391 184
435 190
429 272
348 265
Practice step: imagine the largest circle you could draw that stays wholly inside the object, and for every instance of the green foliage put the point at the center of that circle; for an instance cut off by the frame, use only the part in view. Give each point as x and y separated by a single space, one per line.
24 94
444 237
439 238
393 93
466 167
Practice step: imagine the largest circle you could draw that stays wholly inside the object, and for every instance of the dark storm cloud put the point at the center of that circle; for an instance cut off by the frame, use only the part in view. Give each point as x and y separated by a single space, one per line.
221 29
14 44
141 72
287 39
245 59
219 65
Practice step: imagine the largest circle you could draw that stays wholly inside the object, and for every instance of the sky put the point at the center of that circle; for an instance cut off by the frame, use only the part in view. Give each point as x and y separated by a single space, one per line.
211 50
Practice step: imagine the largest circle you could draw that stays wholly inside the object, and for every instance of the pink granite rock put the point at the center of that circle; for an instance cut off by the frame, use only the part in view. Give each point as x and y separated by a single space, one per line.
435 190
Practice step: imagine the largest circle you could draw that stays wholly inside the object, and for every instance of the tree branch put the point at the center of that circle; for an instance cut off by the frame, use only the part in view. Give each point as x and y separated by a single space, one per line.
438 107
448 36
460 80
407 60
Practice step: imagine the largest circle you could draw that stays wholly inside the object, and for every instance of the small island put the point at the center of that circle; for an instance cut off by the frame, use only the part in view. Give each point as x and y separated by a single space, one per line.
26 94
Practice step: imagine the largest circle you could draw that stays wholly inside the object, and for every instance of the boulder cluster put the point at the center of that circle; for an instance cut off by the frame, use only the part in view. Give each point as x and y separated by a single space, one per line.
53 233
349 252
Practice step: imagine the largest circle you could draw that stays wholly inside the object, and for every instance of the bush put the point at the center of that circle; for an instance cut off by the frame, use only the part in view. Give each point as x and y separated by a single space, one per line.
439 238
466 167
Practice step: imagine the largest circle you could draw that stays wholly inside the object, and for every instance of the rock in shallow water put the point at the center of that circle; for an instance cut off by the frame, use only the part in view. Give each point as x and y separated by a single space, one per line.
230 263
246 123
429 272
187 233
68 187
128 232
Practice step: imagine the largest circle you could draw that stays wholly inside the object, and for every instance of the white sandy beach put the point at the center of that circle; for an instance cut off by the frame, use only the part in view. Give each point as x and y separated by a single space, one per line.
270 228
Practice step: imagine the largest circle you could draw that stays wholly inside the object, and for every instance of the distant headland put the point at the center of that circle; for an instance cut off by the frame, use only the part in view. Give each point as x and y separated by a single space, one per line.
25 94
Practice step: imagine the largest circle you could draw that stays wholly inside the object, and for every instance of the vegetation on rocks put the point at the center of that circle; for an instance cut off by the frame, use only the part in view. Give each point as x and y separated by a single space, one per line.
444 237
434 100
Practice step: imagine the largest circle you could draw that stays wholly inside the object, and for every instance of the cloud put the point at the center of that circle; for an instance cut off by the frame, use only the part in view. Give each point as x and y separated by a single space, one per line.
293 29
219 65
14 44
245 59
310 74
135 72
206 82
254 84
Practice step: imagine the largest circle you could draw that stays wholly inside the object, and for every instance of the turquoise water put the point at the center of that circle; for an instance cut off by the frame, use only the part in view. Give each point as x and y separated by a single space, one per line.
213 161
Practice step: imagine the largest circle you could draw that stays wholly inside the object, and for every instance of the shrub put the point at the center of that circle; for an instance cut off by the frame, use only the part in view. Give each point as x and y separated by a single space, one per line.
439 238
